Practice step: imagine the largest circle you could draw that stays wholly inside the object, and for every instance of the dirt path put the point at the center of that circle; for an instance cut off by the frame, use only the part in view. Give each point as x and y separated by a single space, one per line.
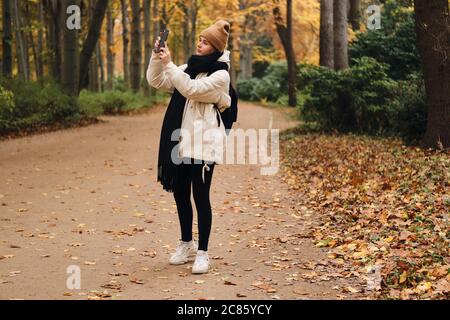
89 197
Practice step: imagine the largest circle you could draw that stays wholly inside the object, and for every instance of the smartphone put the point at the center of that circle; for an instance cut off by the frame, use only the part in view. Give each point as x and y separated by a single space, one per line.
162 41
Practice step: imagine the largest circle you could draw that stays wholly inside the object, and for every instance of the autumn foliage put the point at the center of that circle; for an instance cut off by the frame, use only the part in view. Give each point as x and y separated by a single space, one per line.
378 204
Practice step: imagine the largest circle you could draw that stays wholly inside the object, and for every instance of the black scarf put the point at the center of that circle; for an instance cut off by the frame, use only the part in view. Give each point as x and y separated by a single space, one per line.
167 169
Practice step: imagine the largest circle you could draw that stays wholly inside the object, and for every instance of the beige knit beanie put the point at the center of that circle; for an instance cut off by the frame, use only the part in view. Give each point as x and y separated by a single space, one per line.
217 34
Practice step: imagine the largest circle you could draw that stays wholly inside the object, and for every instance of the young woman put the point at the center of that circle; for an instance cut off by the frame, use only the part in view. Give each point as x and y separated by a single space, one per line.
184 160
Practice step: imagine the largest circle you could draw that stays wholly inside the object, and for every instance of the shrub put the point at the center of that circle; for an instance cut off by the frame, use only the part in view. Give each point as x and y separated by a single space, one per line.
394 44
364 99
56 104
115 102
26 96
6 108
114 106
324 87
412 115
119 84
369 93
270 87
31 98
6 100
245 88
35 105
107 102
357 99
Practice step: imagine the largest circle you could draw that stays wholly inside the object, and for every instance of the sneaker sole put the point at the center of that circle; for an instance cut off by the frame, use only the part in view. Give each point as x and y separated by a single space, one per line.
201 272
191 257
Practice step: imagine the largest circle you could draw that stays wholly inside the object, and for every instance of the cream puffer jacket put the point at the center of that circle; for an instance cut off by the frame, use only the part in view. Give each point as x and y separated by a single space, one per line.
201 136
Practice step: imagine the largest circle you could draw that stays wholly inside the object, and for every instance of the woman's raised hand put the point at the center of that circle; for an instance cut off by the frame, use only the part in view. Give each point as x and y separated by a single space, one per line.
164 54
156 43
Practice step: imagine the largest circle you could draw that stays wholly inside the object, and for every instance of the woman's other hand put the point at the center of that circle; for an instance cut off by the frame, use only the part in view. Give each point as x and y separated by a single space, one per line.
164 54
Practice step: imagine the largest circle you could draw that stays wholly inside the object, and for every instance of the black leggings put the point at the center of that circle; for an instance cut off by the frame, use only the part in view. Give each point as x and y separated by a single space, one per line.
191 172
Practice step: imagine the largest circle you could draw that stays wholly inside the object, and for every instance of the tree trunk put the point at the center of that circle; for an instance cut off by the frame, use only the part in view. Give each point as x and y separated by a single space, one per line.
93 73
340 35
326 34
354 14
233 77
155 14
433 36
166 14
48 42
27 36
147 43
93 62
53 7
101 68
126 42
164 19
246 59
155 30
25 22
285 34
193 34
92 38
190 11
246 43
7 40
20 43
71 63
34 51
176 48
40 45
186 30
135 66
110 56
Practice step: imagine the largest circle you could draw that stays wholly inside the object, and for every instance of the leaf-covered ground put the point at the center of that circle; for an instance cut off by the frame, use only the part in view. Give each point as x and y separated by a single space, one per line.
71 199
381 207
89 198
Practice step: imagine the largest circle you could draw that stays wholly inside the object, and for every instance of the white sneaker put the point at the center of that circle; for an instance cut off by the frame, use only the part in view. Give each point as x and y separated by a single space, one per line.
184 251
201 264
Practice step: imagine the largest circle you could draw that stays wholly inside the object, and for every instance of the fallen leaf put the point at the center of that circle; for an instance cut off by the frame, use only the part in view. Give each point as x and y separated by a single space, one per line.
423 287
351 290
137 281
76 244
227 282
264 286
403 277
113 285
298 291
